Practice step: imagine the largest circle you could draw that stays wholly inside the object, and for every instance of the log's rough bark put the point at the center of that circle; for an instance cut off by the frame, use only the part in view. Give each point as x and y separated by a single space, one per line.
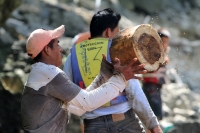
142 42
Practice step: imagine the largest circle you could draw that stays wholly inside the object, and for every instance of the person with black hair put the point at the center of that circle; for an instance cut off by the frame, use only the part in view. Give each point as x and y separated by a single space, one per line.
119 114
105 23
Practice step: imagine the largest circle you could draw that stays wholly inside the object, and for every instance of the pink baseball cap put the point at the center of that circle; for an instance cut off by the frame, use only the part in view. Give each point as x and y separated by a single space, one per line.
39 38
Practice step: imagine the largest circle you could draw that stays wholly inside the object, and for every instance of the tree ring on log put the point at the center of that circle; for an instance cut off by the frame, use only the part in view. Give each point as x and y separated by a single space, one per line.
142 42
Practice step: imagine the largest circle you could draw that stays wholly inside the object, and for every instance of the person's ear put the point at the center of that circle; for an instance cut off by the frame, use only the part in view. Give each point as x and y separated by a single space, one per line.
107 33
46 50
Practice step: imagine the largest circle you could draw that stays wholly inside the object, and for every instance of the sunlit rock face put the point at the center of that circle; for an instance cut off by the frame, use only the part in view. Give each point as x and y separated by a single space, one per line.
185 60
181 105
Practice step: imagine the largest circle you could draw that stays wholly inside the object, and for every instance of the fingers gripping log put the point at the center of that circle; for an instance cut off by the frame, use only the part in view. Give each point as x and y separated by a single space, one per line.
142 42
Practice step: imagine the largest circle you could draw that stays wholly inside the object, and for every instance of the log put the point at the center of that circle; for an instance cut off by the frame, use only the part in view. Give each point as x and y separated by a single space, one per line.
142 42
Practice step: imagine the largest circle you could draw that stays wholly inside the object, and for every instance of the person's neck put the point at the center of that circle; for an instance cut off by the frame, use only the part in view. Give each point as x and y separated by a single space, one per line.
46 61
97 37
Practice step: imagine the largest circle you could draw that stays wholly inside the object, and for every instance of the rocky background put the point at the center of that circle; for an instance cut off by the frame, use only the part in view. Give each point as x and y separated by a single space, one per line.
181 96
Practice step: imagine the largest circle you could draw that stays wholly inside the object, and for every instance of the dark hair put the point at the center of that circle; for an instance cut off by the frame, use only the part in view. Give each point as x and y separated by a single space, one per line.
102 20
39 56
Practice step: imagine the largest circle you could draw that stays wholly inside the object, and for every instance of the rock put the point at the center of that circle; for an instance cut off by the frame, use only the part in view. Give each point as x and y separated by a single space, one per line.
77 24
186 127
126 23
184 112
12 83
10 113
151 7
128 4
181 101
6 9
186 63
17 27
179 118
166 110
66 45
5 46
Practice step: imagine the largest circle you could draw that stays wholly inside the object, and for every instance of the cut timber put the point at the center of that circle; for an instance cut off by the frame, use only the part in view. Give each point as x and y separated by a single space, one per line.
142 42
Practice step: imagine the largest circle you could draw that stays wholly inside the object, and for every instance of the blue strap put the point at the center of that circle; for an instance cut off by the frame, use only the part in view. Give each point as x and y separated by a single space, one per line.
77 78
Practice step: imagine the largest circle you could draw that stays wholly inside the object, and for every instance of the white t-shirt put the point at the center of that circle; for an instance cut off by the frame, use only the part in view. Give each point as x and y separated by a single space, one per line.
137 101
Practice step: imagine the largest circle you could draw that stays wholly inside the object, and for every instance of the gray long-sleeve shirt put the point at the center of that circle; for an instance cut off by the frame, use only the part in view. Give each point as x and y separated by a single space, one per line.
46 90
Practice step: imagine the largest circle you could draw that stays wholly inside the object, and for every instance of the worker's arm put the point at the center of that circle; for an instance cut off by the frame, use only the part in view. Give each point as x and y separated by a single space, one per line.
141 105
121 74
88 101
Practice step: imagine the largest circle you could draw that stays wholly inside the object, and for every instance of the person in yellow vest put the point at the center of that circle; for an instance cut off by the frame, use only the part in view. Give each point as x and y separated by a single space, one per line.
119 114
153 82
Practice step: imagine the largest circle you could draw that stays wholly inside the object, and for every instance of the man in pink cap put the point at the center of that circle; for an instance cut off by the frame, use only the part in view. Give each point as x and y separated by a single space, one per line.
48 91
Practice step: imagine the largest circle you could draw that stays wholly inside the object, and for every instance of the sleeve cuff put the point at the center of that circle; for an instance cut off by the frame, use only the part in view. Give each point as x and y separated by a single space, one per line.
153 123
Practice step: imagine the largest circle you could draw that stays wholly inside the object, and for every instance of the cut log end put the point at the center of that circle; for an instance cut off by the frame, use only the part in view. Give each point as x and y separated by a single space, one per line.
149 48
142 42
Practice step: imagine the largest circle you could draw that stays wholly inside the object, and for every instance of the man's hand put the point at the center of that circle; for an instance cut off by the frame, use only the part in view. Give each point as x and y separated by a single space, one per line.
131 70
156 130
